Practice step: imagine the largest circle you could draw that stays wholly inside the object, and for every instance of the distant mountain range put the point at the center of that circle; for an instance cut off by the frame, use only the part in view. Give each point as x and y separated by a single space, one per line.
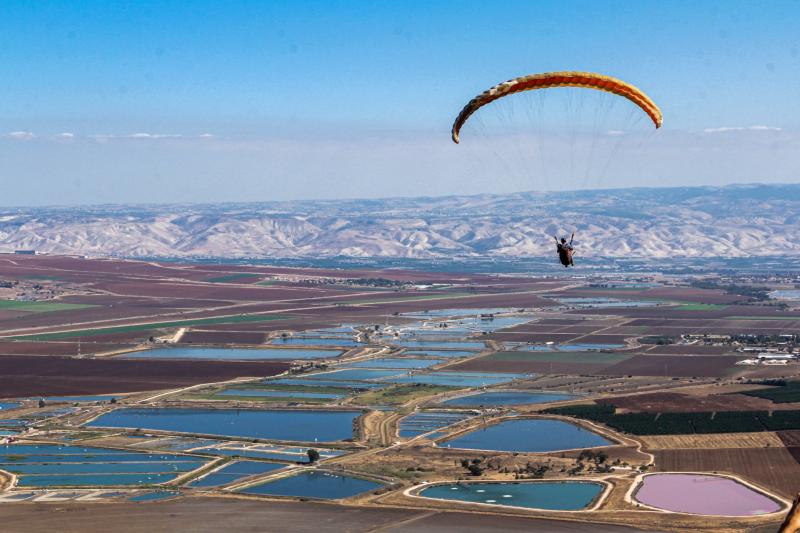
733 221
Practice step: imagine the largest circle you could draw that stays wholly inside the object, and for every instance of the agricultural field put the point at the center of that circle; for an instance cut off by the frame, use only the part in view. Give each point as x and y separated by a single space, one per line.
781 392
216 379
774 468
39 307
716 440
684 422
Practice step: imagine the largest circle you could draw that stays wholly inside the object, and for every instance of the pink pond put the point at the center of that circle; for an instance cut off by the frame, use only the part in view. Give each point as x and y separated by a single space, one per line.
703 494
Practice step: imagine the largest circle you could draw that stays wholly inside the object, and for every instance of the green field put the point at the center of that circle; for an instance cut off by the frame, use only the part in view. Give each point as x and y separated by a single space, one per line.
762 318
559 357
400 394
265 399
232 277
400 298
267 386
144 327
787 393
39 307
684 423
698 307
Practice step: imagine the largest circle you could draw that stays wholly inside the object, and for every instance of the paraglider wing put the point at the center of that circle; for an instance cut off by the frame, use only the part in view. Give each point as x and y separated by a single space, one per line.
588 80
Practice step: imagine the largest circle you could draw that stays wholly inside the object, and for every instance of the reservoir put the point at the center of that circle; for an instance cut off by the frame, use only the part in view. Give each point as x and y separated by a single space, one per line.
528 435
507 398
315 484
703 494
292 425
549 495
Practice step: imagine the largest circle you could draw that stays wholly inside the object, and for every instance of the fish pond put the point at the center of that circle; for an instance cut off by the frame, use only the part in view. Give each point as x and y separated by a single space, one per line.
233 472
6 406
528 435
443 353
785 294
703 494
426 421
231 354
507 398
319 382
266 393
291 425
467 345
577 347
49 465
548 495
605 303
154 496
270 451
72 399
493 324
355 374
315 484
397 362
458 379
317 341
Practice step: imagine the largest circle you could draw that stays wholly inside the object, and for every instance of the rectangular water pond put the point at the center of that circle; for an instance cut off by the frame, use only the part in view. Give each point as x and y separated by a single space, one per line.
459 379
528 435
577 347
305 382
427 421
94 480
154 496
71 399
606 303
703 494
292 425
355 374
434 345
397 362
266 393
234 471
45 465
507 398
7 406
549 495
231 354
502 322
315 484
158 467
272 451
443 353
317 341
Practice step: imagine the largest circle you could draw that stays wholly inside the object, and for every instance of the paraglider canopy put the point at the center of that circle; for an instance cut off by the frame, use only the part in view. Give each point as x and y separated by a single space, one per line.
588 80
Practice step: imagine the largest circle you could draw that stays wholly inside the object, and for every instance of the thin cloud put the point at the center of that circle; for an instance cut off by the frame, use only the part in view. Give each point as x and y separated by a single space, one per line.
66 135
21 135
154 136
145 136
615 132
725 129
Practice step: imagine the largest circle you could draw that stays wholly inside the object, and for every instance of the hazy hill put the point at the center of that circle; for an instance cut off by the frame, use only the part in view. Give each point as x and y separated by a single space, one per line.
731 221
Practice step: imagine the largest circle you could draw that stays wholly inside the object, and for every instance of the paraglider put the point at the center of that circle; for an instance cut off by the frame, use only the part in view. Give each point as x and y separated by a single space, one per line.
565 251
587 80
566 123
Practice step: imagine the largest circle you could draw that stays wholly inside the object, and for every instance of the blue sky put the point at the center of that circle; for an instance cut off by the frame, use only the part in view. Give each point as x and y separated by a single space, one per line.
206 101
